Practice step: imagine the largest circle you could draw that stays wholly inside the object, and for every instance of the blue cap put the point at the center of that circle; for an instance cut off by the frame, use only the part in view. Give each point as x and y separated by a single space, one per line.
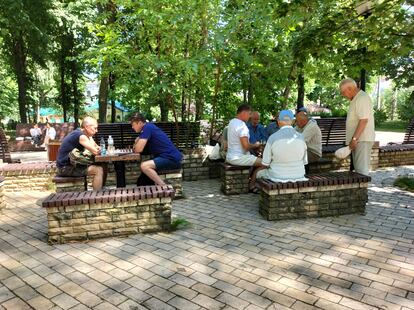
302 109
286 115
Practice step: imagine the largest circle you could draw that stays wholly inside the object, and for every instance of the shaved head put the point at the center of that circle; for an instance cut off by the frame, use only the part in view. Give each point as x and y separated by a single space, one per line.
88 121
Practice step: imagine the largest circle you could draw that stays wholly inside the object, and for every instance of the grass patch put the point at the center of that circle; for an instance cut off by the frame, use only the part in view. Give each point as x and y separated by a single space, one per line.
406 183
179 223
394 126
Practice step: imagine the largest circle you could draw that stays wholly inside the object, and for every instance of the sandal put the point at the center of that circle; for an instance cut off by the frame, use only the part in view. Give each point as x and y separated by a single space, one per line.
254 190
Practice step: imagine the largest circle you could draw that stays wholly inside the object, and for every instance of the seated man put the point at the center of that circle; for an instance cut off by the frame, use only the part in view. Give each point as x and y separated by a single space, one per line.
312 134
238 142
256 130
272 127
285 153
36 134
166 155
81 139
50 134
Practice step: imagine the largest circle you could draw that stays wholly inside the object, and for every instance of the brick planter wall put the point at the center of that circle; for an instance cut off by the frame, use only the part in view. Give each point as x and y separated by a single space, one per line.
194 168
2 198
28 176
234 179
107 213
325 194
396 155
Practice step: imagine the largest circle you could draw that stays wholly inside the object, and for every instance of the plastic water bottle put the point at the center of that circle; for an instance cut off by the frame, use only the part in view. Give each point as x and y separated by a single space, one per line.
111 148
102 145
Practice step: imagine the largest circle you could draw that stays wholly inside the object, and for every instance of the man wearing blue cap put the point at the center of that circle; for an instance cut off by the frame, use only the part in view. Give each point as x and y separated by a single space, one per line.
285 153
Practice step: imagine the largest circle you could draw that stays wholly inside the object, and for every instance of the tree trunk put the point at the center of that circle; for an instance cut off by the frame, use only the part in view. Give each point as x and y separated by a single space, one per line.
250 91
394 103
103 98
62 69
75 94
301 89
19 62
215 98
286 92
112 88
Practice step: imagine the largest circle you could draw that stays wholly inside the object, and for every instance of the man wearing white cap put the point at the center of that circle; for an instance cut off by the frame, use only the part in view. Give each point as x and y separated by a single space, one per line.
285 153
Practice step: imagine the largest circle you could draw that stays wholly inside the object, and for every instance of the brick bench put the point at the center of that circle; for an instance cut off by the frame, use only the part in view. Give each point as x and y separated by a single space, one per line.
2 199
174 178
396 155
324 194
28 176
234 179
78 216
322 165
70 184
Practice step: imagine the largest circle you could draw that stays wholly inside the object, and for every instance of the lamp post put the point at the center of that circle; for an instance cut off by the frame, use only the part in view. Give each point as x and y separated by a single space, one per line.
363 8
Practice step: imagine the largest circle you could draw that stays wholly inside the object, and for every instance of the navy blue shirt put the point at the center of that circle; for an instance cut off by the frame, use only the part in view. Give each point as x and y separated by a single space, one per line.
257 134
70 142
158 143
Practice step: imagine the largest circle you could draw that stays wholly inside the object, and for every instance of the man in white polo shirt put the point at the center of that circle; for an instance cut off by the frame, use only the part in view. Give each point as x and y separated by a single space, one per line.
238 148
285 154
360 128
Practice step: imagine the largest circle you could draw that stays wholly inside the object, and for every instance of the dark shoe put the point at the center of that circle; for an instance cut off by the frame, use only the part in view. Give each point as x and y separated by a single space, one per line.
254 190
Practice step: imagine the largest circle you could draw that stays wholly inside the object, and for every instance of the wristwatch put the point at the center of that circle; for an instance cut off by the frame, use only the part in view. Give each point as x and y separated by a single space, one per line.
354 139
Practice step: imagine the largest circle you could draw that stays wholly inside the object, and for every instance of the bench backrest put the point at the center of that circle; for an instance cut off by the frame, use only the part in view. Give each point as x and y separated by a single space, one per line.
409 133
4 148
333 130
62 129
124 136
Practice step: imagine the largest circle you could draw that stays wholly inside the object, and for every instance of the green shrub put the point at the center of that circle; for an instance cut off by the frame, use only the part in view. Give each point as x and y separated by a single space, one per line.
406 183
380 116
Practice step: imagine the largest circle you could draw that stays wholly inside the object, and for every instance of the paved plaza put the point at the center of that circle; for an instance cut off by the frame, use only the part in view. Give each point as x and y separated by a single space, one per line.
229 258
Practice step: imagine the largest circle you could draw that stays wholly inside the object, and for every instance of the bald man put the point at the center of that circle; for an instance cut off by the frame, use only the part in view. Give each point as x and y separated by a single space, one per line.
82 140
312 134
256 130
360 128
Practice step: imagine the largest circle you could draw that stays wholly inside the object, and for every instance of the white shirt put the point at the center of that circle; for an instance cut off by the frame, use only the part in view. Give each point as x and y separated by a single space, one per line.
51 133
35 132
360 108
236 129
313 137
286 154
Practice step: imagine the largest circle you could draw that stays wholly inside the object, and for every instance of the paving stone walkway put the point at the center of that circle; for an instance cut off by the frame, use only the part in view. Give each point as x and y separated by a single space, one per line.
230 258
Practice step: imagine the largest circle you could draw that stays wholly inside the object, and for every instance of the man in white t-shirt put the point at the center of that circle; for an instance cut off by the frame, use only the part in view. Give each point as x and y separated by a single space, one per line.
360 127
238 146
285 154
36 134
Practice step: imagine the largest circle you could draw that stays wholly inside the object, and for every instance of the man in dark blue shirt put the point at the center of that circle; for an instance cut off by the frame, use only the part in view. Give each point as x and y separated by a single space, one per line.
166 156
81 140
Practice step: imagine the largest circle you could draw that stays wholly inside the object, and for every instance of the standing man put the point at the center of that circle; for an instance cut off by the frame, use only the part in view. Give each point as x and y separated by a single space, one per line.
285 153
360 129
312 134
81 139
238 151
166 155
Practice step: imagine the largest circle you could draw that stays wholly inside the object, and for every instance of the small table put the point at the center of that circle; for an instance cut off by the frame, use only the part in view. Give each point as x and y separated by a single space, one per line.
119 159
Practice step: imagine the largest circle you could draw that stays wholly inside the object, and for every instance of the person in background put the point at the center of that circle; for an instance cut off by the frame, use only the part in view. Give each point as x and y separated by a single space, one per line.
256 130
165 154
81 139
312 134
360 127
224 143
272 127
285 153
50 134
238 151
36 134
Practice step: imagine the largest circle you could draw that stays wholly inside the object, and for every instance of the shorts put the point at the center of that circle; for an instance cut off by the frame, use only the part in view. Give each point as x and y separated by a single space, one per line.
244 160
263 174
72 171
166 164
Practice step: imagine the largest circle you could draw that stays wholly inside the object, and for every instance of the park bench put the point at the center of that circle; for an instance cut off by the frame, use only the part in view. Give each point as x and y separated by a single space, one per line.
324 194
234 179
185 137
4 149
333 133
80 215
28 176
70 184
2 198
23 137
399 154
